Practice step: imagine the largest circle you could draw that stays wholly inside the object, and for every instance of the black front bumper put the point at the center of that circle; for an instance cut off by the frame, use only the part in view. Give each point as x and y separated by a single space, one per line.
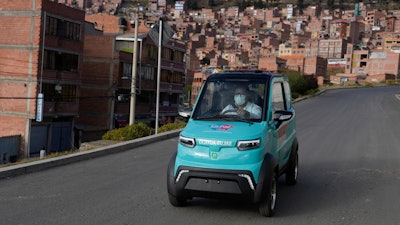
211 183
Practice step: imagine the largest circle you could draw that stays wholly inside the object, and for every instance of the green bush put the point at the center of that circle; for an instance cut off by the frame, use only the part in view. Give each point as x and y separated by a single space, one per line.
130 132
171 126
301 85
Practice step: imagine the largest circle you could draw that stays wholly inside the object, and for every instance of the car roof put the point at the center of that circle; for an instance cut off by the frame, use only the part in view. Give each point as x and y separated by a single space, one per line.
244 73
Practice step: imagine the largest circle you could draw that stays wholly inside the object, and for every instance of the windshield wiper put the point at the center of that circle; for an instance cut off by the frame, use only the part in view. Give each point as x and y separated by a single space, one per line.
225 118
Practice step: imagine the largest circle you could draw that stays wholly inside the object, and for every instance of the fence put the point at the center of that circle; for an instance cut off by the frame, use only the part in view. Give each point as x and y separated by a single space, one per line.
9 148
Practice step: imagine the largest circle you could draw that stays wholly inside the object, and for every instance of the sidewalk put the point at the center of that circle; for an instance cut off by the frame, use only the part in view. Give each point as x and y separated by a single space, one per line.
97 149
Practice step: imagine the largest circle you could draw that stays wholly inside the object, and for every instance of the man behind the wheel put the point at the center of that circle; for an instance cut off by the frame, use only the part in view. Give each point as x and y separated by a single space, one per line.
243 107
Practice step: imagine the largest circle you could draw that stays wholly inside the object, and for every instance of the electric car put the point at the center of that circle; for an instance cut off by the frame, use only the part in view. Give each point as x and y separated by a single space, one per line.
240 138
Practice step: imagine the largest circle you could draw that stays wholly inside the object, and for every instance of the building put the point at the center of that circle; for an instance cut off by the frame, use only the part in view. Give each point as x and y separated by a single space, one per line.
108 80
326 48
369 66
44 56
172 78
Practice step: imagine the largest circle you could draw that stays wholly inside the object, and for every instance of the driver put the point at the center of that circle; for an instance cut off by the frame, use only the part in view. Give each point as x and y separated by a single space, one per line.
242 106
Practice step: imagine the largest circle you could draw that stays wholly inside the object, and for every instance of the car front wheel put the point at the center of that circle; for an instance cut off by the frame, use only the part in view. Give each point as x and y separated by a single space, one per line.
267 207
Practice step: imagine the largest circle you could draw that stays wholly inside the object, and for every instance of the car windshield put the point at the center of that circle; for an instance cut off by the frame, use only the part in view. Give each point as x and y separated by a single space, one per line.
231 100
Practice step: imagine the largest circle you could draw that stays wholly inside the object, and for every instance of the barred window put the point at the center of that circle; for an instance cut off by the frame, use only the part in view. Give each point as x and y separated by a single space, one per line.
59 92
60 61
147 72
63 29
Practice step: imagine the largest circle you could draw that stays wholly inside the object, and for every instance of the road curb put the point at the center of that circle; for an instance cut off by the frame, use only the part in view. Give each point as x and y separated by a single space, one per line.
39 165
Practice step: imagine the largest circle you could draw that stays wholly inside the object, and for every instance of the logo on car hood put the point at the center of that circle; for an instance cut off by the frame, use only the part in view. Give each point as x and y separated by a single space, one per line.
221 127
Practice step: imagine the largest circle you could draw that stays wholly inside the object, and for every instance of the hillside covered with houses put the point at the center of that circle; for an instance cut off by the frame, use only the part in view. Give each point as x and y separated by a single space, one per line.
70 66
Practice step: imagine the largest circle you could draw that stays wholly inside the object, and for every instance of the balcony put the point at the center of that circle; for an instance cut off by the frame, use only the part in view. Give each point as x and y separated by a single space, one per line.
61 109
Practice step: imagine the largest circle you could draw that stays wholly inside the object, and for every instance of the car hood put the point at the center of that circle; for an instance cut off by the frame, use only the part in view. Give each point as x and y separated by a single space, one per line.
222 130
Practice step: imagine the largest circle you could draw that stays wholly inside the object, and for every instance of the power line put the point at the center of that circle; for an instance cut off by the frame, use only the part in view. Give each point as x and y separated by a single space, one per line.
97 79
18 60
78 97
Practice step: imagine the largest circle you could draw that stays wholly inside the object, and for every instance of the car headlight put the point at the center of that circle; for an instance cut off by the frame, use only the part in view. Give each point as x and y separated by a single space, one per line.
188 142
247 145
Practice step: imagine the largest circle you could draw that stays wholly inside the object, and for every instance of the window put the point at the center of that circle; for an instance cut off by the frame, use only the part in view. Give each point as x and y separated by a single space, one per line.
59 92
63 29
151 51
218 96
60 61
147 72
278 102
126 70
288 94
51 26
179 56
167 54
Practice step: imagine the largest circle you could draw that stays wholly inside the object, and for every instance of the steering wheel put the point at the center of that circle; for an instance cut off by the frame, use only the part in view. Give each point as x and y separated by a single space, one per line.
230 112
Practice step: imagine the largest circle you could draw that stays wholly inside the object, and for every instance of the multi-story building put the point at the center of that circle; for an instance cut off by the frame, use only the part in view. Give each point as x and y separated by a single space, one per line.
338 29
371 66
108 71
172 78
42 57
372 18
326 48
198 80
285 49
391 42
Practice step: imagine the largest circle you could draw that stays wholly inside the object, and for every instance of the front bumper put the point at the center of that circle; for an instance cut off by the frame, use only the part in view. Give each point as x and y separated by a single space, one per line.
212 183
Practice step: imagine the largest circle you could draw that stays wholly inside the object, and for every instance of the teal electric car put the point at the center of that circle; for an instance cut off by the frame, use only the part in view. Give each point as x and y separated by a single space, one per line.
240 137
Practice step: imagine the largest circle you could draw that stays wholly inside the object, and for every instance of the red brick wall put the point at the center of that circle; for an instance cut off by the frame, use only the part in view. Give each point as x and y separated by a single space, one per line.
100 76
106 23
14 125
19 69
20 59
20 4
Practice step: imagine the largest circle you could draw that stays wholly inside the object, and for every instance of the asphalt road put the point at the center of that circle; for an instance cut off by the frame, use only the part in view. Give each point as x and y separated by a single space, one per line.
349 174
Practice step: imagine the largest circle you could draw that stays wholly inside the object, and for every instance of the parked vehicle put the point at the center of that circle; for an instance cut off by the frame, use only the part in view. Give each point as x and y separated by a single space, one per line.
185 111
239 139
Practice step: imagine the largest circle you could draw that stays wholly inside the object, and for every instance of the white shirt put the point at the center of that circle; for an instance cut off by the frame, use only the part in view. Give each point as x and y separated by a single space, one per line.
253 109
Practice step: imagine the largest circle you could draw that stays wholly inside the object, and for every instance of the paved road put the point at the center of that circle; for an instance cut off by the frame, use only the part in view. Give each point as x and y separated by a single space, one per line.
349 174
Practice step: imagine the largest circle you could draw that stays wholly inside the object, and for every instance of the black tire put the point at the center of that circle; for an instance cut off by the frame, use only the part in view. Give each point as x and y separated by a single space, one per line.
177 202
267 206
292 168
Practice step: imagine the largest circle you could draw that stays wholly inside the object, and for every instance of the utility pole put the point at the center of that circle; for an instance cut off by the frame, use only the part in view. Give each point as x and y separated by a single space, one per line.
159 71
134 69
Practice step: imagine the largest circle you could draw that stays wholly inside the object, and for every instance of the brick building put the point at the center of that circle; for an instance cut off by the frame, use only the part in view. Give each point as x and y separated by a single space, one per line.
369 66
172 78
326 48
44 55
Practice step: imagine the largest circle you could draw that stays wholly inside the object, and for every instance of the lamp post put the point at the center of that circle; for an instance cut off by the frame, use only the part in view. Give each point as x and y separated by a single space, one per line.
134 68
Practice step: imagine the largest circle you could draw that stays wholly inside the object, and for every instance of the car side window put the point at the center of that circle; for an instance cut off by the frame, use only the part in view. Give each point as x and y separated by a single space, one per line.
278 102
288 94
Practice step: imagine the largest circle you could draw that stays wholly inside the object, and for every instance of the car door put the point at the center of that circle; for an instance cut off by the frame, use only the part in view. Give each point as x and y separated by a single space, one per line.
281 132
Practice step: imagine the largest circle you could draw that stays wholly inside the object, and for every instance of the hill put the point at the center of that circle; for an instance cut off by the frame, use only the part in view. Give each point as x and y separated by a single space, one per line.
330 4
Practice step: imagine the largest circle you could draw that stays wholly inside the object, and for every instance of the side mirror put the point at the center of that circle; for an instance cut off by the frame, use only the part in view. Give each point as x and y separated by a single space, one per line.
281 116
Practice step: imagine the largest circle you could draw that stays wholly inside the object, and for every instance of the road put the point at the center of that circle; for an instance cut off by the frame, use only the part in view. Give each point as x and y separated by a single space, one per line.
349 174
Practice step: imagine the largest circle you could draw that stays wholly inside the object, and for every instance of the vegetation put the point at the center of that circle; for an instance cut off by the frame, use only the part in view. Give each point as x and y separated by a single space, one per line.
331 71
130 132
138 130
301 85
172 126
